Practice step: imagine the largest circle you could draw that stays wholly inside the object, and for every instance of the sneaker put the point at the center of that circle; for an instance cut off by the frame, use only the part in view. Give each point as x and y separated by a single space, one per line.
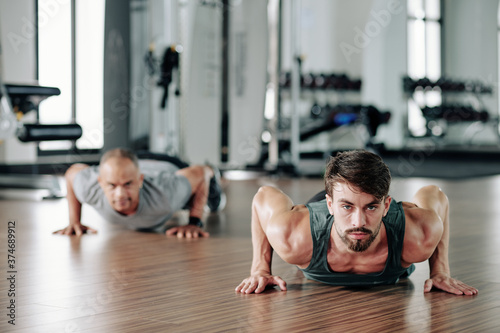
216 197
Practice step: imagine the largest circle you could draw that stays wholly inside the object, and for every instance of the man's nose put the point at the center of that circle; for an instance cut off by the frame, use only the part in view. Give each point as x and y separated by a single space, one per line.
358 219
120 191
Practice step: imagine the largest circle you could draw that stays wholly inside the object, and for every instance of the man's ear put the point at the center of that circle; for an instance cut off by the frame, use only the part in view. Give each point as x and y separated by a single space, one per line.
329 203
387 204
141 180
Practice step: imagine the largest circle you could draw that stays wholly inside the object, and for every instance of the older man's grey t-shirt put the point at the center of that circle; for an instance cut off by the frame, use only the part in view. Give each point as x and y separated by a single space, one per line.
163 193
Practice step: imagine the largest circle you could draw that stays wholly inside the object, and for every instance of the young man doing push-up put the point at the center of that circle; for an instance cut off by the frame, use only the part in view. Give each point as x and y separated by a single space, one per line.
356 235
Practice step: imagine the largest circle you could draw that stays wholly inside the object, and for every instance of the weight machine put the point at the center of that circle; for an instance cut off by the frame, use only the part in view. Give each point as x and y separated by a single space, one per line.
15 101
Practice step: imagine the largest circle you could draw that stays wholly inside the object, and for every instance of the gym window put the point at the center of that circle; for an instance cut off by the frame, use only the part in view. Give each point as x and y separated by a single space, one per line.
70 57
424 57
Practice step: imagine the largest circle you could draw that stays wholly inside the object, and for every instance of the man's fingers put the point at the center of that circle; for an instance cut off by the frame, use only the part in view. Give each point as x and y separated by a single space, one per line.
451 286
460 288
92 231
468 290
464 288
251 287
238 287
451 289
261 286
187 232
78 231
200 233
246 286
427 285
172 231
281 283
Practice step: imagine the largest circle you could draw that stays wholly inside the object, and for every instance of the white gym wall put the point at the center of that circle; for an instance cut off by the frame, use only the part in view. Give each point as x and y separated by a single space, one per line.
19 65
471 53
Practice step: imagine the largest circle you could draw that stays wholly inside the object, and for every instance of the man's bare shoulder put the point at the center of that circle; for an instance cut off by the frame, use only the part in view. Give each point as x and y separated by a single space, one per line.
295 219
290 235
423 231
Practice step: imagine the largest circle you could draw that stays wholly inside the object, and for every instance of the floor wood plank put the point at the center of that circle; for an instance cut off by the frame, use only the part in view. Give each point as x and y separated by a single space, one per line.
125 281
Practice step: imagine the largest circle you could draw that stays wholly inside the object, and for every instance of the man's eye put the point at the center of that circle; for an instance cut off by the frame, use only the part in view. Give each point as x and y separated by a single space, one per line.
346 207
372 207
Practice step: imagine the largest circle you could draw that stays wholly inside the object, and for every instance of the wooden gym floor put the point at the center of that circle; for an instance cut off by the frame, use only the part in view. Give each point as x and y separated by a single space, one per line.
125 281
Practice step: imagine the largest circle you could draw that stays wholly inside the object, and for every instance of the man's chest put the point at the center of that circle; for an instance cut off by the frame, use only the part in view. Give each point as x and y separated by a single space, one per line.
357 263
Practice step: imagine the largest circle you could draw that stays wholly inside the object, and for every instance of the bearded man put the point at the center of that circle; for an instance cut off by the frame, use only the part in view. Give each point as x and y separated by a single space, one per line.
354 233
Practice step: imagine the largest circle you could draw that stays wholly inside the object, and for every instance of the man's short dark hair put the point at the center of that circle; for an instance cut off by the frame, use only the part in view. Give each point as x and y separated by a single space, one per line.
122 153
361 169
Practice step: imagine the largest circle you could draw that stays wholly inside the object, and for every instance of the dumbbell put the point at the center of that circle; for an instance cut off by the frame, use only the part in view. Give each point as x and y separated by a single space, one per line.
308 81
316 110
320 81
285 79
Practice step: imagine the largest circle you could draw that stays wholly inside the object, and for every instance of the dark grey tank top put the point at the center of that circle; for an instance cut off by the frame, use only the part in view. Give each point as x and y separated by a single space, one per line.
321 225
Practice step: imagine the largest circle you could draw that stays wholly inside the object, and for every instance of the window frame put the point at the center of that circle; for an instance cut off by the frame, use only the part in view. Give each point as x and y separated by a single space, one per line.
73 147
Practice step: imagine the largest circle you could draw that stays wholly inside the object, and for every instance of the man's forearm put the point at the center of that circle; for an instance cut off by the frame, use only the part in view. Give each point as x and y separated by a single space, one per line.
262 257
74 206
198 206
262 250
432 198
439 262
199 177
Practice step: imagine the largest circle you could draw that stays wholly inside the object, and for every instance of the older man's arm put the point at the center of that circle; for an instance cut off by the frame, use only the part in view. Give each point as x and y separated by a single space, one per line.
75 226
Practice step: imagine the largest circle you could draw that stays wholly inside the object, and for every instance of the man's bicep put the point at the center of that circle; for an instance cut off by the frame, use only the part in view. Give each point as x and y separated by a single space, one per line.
270 204
424 229
290 236
85 185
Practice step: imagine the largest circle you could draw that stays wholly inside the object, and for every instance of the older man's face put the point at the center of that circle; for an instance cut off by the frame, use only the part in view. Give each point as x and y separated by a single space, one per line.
121 182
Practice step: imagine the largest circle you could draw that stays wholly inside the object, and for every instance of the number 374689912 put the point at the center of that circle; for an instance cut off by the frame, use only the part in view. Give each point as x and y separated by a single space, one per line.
11 244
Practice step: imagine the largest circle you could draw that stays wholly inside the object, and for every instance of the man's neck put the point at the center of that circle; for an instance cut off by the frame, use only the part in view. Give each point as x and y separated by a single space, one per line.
343 259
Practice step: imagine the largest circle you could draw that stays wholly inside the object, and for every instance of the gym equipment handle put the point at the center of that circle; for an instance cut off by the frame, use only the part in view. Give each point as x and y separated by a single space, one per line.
42 132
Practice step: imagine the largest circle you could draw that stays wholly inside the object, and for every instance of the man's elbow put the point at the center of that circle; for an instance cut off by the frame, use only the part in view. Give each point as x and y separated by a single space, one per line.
265 191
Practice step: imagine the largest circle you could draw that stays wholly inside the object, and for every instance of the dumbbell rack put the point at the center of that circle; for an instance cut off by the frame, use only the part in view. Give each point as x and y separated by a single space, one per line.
440 117
321 94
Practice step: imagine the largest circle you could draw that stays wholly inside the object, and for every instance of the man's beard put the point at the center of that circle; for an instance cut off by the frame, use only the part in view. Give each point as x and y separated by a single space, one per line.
359 245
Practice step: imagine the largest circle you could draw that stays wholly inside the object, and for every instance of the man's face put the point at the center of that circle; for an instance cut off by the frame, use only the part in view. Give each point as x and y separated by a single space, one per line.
358 216
121 182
